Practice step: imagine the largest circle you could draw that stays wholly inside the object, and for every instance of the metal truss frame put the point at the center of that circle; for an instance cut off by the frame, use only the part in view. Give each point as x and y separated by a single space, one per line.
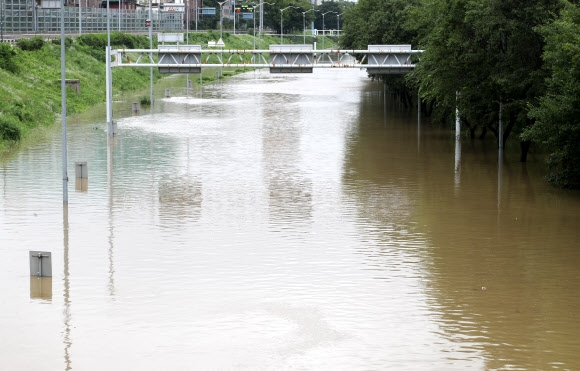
234 58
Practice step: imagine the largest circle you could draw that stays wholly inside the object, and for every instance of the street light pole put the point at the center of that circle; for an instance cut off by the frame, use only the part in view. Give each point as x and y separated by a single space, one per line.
150 26
254 19
260 28
261 23
80 17
221 4
304 22
220 42
338 23
323 33
63 103
2 22
108 76
281 22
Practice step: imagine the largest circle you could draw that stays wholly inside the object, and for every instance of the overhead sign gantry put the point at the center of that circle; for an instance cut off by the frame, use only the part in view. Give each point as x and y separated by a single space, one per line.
290 58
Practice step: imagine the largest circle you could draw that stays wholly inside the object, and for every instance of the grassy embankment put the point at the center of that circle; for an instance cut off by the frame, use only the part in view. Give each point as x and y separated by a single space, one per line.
30 96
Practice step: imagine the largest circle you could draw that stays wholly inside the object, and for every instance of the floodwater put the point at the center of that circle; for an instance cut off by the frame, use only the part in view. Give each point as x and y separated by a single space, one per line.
272 222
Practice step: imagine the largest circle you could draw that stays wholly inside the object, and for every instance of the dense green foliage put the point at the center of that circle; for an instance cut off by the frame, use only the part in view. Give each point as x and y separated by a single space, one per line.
7 58
487 57
557 115
36 43
334 11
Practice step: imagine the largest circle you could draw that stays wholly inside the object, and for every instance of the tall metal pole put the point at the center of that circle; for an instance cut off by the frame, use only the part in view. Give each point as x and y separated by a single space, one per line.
221 40
261 5
323 14
500 131
108 77
260 26
234 17
63 106
151 47
281 22
80 17
304 22
187 5
221 16
323 32
2 22
457 119
304 26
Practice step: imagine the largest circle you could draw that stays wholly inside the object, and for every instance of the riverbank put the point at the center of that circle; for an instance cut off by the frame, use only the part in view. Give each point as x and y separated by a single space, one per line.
30 98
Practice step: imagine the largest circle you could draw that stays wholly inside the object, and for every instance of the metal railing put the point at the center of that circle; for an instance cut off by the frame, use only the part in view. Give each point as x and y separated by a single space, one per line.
29 19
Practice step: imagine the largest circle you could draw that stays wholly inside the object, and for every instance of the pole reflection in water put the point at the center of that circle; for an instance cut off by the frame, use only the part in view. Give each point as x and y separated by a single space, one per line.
111 143
67 302
499 178
41 288
457 177
418 123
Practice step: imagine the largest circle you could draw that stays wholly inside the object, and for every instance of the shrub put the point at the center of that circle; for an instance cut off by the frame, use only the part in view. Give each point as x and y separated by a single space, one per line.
95 41
23 112
118 40
7 54
35 43
145 101
67 41
9 129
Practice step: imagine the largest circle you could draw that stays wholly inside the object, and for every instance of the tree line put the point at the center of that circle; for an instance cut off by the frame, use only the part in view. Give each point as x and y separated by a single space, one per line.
517 61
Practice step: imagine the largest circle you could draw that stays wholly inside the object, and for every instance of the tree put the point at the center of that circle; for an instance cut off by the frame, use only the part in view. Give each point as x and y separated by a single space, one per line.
292 17
331 20
487 51
376 22
557 116
380 22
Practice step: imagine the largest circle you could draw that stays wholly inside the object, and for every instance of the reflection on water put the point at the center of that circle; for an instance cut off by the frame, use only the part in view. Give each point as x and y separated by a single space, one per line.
501 259
290 198
179 197
67 300
286 221
41 288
